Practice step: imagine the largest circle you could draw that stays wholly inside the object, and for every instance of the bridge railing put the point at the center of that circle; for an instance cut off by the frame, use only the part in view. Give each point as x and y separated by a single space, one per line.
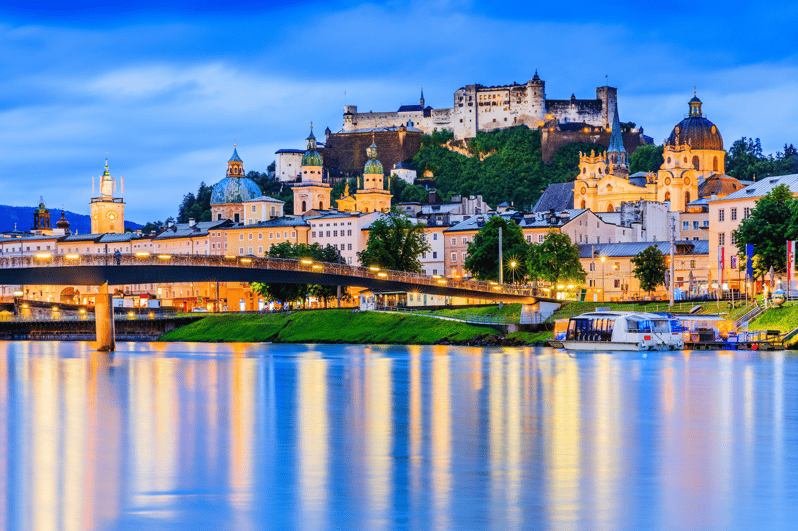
45 259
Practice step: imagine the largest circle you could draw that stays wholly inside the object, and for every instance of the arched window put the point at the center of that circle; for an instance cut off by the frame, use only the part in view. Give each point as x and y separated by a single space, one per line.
667 196
610 208
686 199
584 170
714 163
695 161
599 169
583 204
304 206
669 160
321 205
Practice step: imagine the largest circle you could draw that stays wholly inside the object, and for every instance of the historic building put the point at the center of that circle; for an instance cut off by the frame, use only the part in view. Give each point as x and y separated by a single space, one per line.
371 195
483 108
313 190
41 220
107 211
229 194
692 169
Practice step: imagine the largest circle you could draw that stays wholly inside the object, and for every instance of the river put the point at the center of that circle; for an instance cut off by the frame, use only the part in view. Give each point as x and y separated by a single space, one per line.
313 437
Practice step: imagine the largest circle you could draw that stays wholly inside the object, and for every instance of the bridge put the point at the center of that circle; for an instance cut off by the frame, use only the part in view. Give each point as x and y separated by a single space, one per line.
148 268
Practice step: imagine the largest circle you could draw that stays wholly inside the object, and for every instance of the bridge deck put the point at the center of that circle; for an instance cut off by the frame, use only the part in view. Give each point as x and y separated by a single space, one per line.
144 268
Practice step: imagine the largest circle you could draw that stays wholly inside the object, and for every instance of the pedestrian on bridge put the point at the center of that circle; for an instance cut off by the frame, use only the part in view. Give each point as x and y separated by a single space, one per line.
118 257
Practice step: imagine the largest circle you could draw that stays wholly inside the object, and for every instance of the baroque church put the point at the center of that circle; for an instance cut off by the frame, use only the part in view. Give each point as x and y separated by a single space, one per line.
693 169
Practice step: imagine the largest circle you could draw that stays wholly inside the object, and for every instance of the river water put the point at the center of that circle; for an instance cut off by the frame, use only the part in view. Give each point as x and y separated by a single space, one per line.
246 437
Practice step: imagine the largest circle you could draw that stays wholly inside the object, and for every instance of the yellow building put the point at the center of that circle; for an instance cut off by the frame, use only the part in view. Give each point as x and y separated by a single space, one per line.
371 195
312 193
229 194
256 239
107 211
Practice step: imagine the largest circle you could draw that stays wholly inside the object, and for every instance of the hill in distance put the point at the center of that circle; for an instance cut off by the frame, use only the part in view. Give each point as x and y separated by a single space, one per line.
23 218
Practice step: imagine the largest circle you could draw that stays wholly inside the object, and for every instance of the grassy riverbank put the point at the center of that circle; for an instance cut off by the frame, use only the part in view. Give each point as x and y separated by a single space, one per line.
781 319
326 326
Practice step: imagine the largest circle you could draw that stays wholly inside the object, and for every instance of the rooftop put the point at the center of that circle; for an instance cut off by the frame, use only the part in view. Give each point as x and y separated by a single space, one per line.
618 250
761 188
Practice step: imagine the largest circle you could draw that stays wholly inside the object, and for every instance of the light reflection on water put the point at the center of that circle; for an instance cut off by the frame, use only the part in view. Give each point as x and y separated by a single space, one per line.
247 437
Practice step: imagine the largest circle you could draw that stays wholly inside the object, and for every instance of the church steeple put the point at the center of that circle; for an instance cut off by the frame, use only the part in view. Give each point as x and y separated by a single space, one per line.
695 105
422 97
616 153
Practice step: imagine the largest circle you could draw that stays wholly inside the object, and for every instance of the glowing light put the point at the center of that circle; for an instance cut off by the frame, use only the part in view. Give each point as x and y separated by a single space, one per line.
229 257
307 262
382 274
164 256
441 281
560 286
83 310
142 254
246 260
603 258
317 266
72 256
374 268
570 286
44 256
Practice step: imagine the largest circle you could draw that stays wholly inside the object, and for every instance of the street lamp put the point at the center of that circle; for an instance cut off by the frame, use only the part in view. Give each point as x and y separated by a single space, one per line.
603 292
512 266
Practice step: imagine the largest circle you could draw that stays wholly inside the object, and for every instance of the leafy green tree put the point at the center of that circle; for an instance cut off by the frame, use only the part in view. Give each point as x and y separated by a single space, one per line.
152 226
770 224
646 158
555 259
649 268
292 293
403 192
394 243
482 257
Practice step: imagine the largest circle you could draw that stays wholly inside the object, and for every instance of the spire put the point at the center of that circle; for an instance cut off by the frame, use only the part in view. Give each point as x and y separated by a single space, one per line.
616 139
235 157
311 139
106 173
422 97
695 105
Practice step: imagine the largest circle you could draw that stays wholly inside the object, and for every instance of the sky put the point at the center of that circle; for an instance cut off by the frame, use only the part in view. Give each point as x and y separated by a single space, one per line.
167 88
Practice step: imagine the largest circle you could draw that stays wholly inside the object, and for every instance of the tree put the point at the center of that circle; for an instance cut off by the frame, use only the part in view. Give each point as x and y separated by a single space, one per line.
394 243
291 293
646 158
555 259
649 268
770 224
482 257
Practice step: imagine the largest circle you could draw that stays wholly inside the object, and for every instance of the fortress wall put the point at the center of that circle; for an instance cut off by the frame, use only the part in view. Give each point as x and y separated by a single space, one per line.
346 152
554 140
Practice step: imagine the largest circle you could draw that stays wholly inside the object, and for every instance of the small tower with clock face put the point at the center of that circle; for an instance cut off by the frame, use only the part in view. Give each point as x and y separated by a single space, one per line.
107 211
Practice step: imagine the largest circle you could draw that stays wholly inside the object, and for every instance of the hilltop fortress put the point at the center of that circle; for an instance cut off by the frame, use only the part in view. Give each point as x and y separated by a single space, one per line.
481 108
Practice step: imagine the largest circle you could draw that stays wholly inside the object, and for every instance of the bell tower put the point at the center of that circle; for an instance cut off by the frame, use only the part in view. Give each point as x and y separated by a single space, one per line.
107 211
312 193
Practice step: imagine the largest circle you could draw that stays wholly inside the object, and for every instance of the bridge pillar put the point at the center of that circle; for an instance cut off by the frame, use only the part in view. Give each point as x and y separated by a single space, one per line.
104 319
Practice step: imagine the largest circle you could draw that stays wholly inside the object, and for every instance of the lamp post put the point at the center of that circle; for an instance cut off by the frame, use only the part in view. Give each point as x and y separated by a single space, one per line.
512 266
603 293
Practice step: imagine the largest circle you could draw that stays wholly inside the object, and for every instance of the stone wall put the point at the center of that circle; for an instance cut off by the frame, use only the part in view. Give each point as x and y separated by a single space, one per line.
554 140
345 153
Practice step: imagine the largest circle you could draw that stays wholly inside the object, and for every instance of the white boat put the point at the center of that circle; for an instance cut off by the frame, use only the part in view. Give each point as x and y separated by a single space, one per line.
617 330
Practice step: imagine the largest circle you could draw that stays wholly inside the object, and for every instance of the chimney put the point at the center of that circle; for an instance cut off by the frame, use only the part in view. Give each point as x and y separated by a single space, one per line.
191 222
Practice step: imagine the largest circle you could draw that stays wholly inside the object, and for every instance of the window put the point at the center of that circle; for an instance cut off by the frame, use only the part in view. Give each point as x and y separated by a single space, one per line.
529 238
293 234
733 214
592 283
349 232
285 235
260 249
253 209
249 236
721 215
617 283
240 250
695 224
721 238
541 237
464 257
434 254
249 250
705 224
335 233
685 225
692 264
465 240
434 271
746 213
241 237
435 236
591 267
454 257
271 235
454 242
733 238
349 247
260 235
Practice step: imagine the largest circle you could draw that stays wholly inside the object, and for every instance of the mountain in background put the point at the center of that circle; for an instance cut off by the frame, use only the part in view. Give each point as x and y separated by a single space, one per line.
23 217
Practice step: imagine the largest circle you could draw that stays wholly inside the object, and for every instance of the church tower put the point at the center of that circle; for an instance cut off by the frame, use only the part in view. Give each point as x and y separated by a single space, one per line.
41 219
422 98
107 211
616 154
371 195
312 193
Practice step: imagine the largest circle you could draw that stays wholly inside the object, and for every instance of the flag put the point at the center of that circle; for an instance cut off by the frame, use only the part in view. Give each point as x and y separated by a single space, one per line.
721 263
749 260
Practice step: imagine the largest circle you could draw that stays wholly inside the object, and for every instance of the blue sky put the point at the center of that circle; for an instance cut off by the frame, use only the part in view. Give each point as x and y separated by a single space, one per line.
167 87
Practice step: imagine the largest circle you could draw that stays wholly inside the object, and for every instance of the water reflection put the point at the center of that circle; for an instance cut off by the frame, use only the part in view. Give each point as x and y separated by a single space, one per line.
329 437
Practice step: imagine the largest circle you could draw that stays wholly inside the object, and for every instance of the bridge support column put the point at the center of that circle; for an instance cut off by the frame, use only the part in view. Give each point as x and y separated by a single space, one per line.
104 320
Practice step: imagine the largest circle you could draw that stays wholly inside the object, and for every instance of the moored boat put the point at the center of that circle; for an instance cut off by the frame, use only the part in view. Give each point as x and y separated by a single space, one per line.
618 330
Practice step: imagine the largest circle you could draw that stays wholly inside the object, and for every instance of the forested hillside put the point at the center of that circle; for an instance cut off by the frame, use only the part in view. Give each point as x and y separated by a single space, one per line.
506 165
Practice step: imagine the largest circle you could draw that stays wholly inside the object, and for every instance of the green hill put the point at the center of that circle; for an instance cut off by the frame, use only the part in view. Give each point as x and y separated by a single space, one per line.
507 165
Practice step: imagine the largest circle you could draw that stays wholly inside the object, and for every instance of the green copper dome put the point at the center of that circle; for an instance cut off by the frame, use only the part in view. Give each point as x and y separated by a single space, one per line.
373 165
311 156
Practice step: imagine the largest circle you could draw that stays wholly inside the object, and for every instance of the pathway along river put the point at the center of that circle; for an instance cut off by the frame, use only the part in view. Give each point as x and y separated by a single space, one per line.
245 437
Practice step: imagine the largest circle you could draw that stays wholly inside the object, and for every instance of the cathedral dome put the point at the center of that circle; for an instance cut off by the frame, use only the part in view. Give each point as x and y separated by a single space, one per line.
696 130
235 190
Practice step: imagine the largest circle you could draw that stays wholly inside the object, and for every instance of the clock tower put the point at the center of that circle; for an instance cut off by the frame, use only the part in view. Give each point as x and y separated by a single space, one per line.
107 211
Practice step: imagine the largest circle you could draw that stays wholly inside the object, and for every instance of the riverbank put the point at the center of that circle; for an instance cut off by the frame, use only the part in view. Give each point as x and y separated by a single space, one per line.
329 326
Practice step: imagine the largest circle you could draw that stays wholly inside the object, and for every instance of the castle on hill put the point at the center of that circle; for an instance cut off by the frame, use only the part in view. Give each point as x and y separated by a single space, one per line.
482 108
